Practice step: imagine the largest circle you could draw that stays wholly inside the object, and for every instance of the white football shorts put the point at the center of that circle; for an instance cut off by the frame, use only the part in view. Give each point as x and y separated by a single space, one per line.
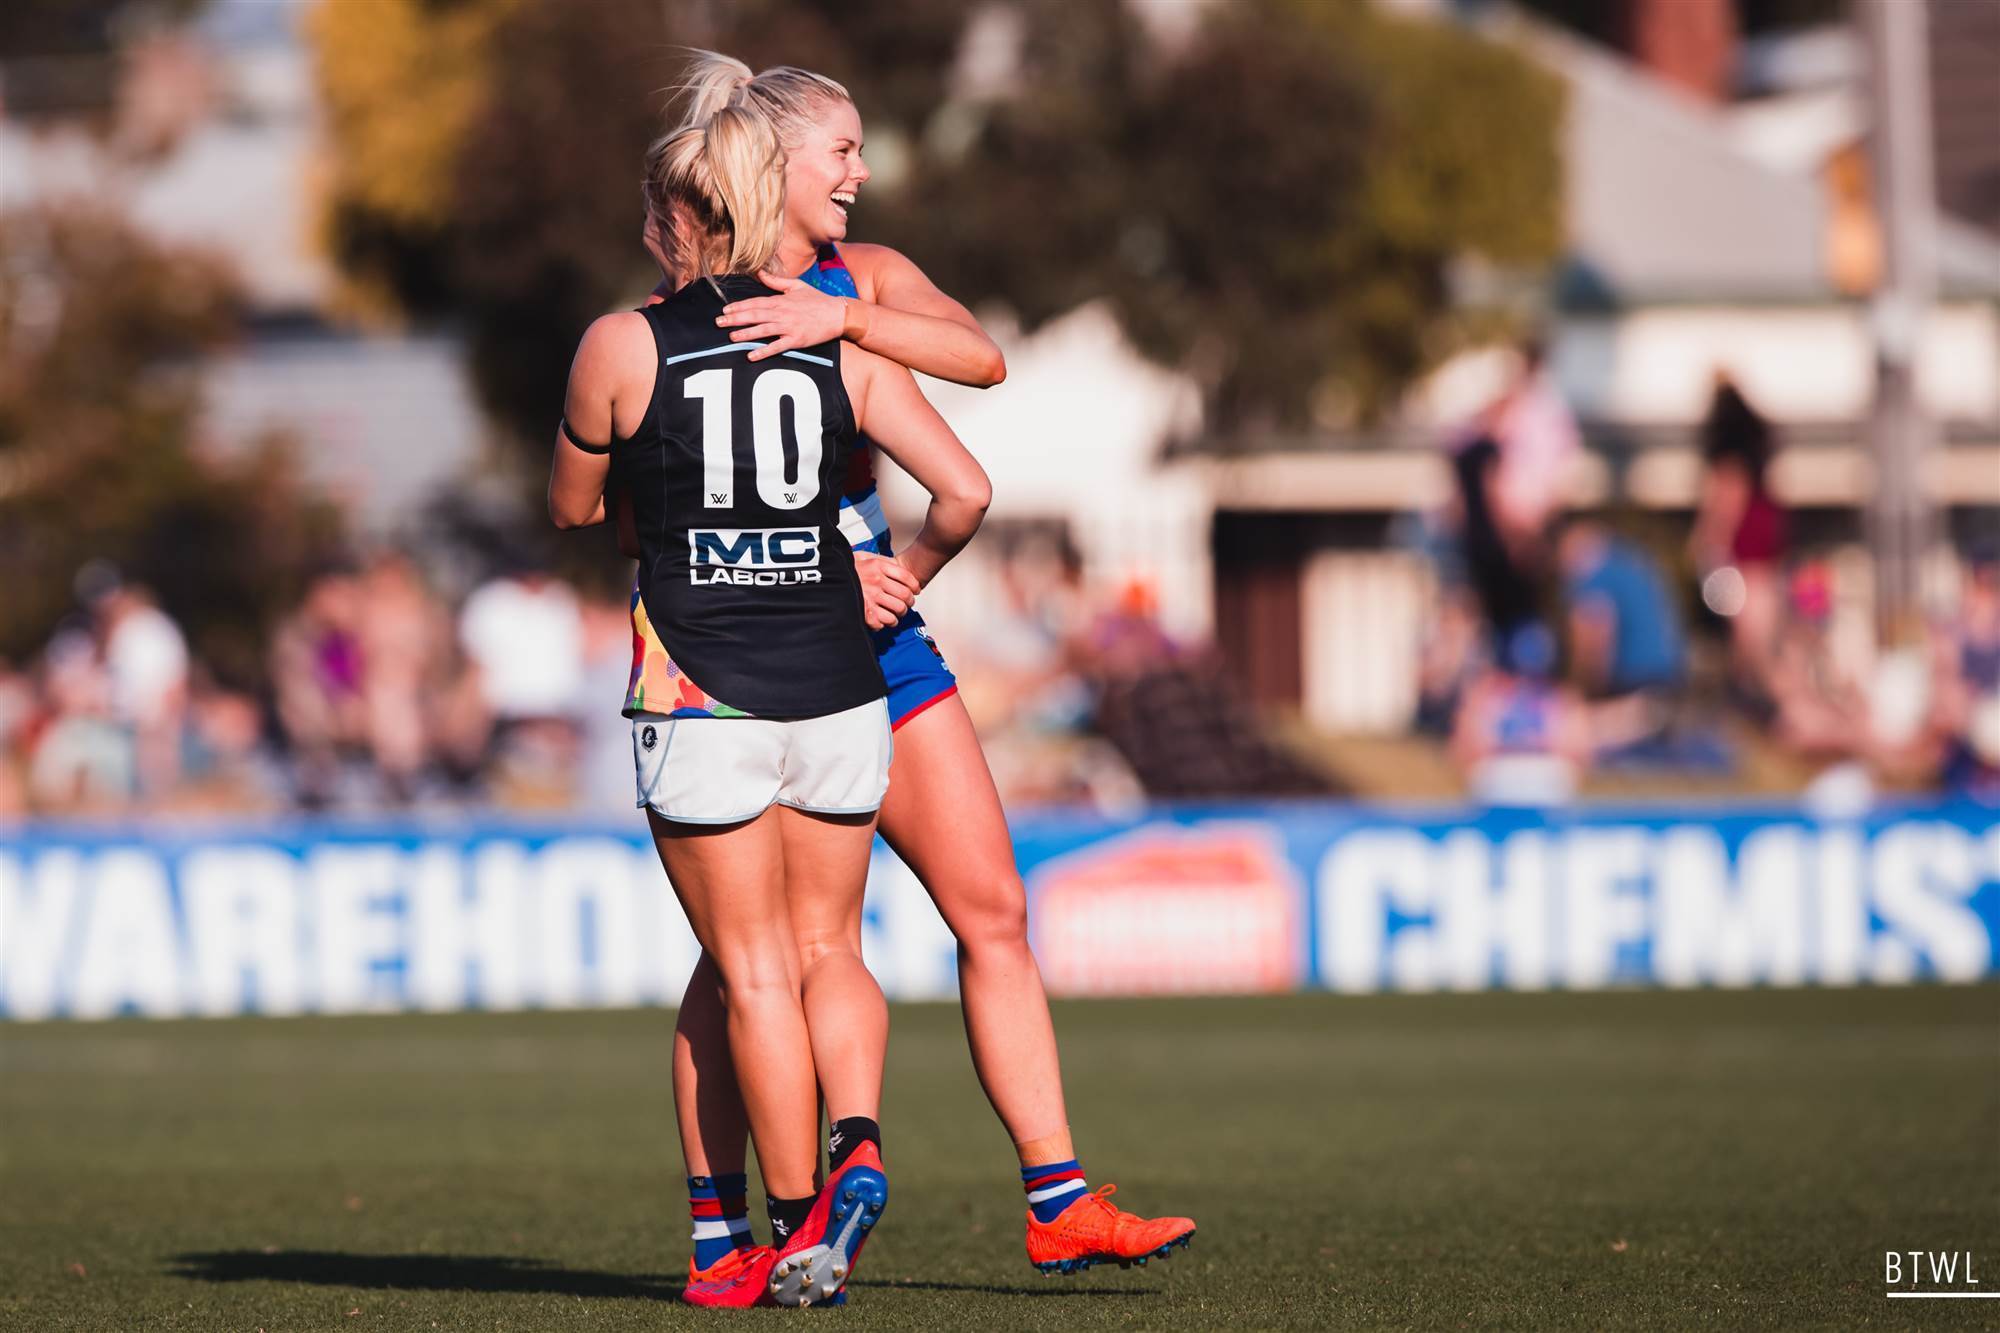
715 770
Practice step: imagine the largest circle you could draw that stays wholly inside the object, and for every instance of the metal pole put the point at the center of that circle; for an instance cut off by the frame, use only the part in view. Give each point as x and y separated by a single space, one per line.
1905 182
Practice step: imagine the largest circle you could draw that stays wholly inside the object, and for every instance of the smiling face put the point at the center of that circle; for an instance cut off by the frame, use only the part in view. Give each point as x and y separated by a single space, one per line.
823 173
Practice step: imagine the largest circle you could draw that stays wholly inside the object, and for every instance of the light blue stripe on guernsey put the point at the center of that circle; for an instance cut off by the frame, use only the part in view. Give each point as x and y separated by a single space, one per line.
744 347
715 351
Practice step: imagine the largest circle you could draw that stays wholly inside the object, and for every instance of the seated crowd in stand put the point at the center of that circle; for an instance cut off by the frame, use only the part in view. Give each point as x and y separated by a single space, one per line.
1560 646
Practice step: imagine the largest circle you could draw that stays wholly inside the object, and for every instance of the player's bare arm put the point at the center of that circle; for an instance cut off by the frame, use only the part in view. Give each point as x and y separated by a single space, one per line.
609 382
900 315
894 413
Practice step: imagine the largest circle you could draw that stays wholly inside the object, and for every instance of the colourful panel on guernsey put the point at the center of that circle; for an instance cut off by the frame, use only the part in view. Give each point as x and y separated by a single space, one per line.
657 684
829 273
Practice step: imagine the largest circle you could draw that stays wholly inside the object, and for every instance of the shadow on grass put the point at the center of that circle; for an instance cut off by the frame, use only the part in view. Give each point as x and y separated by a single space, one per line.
994 1290
417 1272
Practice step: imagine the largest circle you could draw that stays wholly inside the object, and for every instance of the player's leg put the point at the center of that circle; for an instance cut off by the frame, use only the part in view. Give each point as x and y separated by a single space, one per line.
714 1129
836 772
943 817
695 774
730 881
715 1136
826 863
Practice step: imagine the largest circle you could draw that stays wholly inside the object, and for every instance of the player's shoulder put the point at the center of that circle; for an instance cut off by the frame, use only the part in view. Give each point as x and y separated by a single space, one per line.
610 334
615 356
868 261
867 257
622 339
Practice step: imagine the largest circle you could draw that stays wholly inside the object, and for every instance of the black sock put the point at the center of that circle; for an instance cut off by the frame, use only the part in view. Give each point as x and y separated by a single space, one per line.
787 1216
848 1134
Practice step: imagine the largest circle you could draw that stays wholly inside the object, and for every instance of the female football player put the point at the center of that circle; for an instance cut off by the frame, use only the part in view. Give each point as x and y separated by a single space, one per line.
942 815
762 775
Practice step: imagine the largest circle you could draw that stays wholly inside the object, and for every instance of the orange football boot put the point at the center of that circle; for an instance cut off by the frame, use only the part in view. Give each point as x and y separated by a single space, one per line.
1093 1231
740 1278
724 1268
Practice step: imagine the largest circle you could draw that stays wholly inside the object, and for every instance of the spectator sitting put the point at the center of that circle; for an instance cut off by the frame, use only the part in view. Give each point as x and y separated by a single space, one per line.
81 759
1453 655
18 707
405 647
1184 731
1966 690
1522 739
145 659
1125 639
226 763
317 672
1822 713
524 636
604 766
1625 639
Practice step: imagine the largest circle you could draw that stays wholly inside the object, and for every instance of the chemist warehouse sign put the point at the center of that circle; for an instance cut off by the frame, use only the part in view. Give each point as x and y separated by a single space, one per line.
336 919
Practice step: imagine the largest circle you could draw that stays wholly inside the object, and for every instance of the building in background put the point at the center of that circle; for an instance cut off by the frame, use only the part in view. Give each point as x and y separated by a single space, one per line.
1707 233
212 144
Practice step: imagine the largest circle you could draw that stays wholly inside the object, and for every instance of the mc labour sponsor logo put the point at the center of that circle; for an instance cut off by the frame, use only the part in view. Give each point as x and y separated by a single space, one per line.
753 557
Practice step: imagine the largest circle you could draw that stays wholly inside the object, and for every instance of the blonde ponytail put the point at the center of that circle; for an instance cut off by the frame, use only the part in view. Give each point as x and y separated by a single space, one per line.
710 82
748 167
793 98
721 169
724 180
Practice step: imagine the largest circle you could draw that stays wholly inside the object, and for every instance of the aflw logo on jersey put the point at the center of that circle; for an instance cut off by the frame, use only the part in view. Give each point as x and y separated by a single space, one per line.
761 557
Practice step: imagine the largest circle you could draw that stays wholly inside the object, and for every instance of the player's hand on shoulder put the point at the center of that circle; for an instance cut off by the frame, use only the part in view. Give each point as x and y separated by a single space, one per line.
800 315
887 588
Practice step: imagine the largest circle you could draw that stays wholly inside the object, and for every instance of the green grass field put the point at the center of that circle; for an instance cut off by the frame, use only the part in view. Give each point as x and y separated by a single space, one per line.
1632 1160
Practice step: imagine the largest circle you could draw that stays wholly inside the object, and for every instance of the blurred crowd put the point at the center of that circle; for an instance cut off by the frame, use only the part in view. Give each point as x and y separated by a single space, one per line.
1563 645
1083 696
381 695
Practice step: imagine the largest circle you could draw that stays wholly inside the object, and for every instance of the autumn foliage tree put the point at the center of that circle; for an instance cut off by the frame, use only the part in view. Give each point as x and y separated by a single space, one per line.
99 458
1270 199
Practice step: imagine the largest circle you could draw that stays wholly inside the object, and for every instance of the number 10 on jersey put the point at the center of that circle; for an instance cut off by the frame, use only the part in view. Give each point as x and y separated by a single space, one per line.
768 396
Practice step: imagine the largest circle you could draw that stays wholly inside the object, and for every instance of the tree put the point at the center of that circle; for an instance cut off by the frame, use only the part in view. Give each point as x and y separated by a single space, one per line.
486 170
1273 207
1272 204
98 458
